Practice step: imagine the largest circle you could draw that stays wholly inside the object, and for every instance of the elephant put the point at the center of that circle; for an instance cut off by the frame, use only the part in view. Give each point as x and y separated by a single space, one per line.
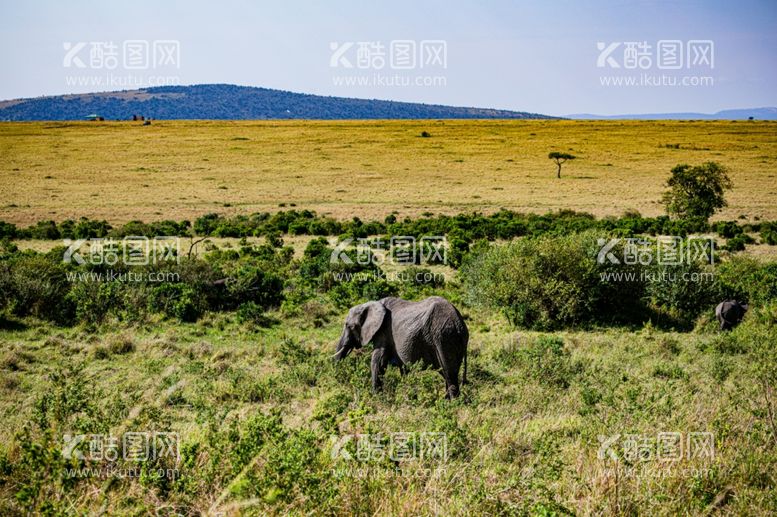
430 331
730 313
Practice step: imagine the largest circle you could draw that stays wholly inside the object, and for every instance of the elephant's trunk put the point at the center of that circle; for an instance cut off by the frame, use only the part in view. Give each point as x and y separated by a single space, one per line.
342 350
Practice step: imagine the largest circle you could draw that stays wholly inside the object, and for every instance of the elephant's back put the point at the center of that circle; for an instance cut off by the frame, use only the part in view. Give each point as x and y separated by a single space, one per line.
725 307
432 316
447 317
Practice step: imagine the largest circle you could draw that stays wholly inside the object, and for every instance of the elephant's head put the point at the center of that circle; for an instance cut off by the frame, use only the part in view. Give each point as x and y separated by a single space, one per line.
361 326
742 310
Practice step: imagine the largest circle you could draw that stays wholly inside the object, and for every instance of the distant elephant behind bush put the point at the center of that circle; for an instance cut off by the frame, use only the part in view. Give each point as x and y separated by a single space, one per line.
730 313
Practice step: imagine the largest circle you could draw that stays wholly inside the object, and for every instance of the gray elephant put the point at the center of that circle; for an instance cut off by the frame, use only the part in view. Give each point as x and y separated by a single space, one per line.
730 313
431 331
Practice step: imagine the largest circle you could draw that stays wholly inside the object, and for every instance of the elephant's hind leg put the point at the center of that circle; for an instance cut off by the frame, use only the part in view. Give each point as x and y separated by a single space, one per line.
450 374
452 391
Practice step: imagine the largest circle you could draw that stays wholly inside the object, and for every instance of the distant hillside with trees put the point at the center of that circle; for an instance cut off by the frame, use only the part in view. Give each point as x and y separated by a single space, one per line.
230 102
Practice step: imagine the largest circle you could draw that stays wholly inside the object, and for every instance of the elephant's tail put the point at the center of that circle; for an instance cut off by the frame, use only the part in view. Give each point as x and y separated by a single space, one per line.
464 377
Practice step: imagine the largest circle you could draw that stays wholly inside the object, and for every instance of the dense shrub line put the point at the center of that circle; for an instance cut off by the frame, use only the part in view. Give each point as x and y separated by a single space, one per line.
504 224
554 282
549 279
249 280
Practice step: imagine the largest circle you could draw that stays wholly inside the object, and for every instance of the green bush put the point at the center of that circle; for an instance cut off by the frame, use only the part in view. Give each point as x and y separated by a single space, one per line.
176 301
253 284
250 312
728 229
748 279
89 229
349 279
69 404
315 262
44 230
554 282
375 289
37 285
738 242
330 408
681 291
421 387
769 233
41 285
540 283
361 288
95 300
8 231
274 239
547 361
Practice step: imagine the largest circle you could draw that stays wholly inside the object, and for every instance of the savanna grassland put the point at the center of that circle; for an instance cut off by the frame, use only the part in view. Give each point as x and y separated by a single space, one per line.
256 411
576 382
121 171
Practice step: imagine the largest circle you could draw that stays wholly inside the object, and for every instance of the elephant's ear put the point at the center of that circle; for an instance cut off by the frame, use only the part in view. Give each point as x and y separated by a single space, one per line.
371 319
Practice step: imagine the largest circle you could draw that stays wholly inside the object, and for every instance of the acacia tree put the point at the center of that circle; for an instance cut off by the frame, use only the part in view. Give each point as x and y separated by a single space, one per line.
560 158
696 192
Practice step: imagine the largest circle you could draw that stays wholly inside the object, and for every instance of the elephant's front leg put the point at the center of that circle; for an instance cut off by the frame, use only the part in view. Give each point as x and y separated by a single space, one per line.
379 363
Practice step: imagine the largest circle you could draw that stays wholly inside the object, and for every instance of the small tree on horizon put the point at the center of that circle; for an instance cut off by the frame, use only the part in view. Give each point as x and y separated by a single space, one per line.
696 192
560 158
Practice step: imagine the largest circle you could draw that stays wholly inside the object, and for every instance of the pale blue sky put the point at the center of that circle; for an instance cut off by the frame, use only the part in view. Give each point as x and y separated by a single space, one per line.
535 56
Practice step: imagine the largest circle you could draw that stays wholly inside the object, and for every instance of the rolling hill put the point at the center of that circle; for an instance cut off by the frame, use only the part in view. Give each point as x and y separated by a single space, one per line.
230 102
732 114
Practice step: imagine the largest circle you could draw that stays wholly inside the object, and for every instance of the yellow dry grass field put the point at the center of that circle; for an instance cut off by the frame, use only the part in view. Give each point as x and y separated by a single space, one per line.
121 171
